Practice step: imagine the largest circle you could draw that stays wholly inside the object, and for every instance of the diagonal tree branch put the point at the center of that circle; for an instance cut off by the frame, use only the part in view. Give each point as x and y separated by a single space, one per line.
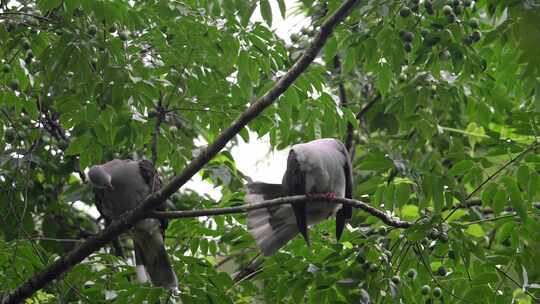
386 218
68 260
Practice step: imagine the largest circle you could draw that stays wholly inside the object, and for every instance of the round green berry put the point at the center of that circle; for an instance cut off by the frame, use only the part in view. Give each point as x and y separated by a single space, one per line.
441 271
123 35
474 23
405 12
447 10
6 68
411 273
14 84
92 30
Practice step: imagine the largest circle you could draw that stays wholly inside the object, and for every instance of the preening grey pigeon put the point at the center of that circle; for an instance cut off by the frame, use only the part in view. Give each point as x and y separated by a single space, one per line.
119 186
321 166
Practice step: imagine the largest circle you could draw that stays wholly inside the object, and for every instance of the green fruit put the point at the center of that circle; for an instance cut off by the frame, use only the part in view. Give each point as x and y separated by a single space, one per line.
123 35
396 280
70 74
6 68
425 290
474 23
63 145
295 37
33 23
451 18
10 26
14 84
9 135
405 12
112 28
407 47
447 10
411 273
373 267
424 33
437 292
25 120
476 36
441 271
26 44
458 10
92 30
408 36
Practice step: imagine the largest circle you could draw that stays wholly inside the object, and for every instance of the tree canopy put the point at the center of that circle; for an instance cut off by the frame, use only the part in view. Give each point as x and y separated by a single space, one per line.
437 101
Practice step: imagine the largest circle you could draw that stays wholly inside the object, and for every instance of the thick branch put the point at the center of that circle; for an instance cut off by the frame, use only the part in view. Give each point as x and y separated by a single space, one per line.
386 218
68 260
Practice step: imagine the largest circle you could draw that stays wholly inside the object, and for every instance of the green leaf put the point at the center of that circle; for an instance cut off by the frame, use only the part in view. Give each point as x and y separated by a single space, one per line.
500 200
516 200
488 193
533 185
523 177
475 230
410 212
266 11
461 168
438 196
282 8
384 78
389 196
402 193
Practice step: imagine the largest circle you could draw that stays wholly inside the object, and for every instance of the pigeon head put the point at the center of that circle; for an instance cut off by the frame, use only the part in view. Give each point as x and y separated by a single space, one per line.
100 178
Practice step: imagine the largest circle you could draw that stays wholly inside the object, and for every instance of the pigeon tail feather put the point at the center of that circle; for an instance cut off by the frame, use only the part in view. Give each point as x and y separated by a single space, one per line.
149 246
271 227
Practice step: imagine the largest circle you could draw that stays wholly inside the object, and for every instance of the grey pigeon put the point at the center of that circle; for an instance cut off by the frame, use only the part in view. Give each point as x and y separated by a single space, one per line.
119 186
321 166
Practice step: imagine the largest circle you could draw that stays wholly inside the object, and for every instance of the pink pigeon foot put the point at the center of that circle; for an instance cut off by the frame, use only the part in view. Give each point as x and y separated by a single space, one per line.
330 195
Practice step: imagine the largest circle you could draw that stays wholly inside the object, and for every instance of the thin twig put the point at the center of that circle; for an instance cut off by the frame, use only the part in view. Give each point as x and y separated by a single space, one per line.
516 283
386 218
418 252
28 15
343 102
155 135
368 106
493 175
70 259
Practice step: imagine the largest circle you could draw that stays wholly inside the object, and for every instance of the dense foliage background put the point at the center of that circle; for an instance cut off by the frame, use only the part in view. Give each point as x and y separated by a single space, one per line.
441 100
